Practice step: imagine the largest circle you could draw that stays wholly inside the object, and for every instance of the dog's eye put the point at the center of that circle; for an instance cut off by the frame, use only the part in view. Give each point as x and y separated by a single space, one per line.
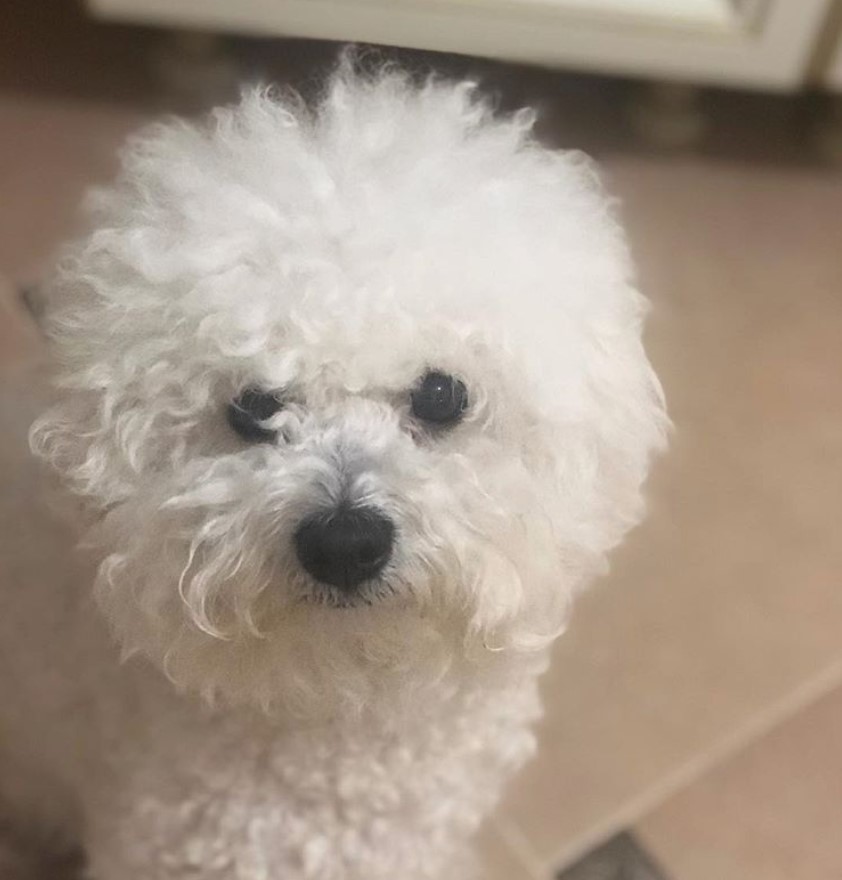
439 399
251 407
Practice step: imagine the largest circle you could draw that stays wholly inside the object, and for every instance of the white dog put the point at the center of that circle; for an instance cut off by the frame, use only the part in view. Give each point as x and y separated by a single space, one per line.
356 400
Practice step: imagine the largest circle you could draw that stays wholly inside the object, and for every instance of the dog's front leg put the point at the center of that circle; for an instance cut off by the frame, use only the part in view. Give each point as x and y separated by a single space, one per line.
338 804
237 836
159 835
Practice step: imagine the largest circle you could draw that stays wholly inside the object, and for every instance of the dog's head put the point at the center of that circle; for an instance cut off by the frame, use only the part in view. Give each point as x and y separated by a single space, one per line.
358 396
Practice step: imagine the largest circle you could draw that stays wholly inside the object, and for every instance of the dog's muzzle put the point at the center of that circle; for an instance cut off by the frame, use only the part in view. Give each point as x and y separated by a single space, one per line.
345 547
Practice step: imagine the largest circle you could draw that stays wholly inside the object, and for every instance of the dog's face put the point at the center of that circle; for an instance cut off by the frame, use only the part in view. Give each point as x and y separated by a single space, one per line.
359 398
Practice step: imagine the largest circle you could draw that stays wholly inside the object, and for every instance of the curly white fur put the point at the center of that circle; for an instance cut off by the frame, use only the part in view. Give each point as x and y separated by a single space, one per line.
334 256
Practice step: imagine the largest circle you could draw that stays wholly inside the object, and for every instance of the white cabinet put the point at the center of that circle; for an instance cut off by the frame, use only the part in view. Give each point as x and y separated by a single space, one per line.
752 43
833 71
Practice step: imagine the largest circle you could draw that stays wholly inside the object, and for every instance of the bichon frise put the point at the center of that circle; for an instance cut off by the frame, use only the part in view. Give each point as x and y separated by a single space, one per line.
356 401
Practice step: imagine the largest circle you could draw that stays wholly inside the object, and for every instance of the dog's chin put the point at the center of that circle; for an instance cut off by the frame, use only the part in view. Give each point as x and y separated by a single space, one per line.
327 658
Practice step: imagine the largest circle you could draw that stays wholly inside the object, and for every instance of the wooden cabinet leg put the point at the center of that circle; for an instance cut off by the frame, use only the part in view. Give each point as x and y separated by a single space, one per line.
667 114
197 70
827 135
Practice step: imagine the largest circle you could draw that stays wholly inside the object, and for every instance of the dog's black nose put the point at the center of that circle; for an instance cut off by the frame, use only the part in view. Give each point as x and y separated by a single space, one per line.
345 547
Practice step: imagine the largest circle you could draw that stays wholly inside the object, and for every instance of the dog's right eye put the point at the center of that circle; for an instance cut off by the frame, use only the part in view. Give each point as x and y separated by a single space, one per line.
250 409
439 399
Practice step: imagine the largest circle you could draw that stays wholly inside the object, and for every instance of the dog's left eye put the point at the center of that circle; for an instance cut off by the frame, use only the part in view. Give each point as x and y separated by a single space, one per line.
249 409
439 399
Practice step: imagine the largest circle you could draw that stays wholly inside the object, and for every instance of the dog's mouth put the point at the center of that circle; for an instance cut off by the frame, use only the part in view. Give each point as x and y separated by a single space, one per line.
365 595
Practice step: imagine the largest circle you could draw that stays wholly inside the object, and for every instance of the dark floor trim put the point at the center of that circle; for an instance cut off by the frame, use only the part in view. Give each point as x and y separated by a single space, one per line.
621 858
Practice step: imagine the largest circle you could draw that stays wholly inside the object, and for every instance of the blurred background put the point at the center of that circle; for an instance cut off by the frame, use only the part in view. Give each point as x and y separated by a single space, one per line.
694 710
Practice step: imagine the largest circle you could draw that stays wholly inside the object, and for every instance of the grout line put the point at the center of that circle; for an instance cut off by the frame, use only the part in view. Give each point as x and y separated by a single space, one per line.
520 848
692 770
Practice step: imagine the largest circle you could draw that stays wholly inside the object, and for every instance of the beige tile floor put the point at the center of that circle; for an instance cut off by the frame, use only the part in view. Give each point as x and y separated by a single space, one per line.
723 615
771 813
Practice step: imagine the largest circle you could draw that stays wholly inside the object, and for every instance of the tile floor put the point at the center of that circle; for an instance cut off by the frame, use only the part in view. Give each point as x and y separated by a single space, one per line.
771 813
722 618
